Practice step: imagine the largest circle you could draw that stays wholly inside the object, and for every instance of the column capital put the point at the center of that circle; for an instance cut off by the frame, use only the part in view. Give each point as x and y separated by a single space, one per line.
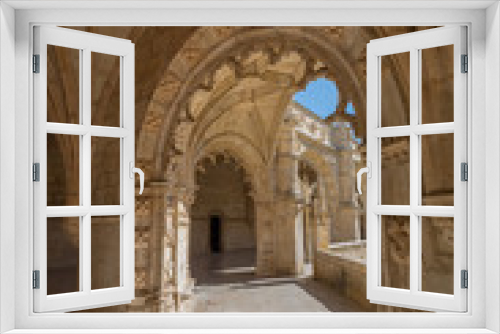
186 194
156 188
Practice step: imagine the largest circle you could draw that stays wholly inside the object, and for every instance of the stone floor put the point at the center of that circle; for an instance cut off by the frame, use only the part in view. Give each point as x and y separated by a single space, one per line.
226 283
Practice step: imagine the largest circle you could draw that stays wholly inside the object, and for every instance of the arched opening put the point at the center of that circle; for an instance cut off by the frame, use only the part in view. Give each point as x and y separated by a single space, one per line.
326 121
222 231
321 96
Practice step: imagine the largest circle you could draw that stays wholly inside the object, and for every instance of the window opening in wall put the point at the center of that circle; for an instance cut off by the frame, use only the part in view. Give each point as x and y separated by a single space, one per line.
252 158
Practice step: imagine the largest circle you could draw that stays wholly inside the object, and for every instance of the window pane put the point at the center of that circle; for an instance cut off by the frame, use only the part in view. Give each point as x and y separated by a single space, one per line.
395 236
437 84
105 231
63 85
437 169
437 254
395 178
106 171
395 95
63 255
63 170
105 89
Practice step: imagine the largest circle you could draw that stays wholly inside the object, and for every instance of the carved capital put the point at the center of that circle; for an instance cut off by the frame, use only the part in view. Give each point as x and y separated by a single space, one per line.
186 195
157 188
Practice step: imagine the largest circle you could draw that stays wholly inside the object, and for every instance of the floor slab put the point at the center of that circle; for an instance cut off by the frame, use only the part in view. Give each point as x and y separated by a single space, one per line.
226 283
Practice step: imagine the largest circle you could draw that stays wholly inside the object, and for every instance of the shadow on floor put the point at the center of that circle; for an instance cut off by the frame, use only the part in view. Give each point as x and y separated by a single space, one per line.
226 283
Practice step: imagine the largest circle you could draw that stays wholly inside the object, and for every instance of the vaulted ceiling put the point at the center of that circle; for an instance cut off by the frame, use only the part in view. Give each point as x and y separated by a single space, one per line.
247 100
196 86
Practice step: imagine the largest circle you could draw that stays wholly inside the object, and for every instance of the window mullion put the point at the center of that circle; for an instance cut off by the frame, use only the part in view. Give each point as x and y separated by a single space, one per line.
86 168
82 233
414 170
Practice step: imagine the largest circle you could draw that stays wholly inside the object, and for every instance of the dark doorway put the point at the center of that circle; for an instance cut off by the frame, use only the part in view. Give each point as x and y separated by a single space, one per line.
215 234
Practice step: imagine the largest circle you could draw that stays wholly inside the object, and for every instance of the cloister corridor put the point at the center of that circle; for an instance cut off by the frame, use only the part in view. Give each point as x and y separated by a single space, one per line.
250 201
226 282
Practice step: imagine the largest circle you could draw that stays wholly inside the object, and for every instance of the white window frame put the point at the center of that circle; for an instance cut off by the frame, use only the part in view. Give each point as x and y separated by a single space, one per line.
85 43
413 44
484 50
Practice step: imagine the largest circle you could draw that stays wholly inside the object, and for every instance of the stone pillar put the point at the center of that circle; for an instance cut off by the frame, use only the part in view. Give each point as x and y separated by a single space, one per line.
310 213
345 220
167 244
318 218
265 234
323 220
332 197
357 219
149 226
176 281
308 226
289 220
183 280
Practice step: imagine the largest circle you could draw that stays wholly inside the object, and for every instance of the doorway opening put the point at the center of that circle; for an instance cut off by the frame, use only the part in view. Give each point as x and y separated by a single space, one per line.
215 234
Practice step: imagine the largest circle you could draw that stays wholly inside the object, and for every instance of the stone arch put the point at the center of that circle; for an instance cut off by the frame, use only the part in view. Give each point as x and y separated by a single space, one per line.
181 137
277 41
246 155
165 86
228 195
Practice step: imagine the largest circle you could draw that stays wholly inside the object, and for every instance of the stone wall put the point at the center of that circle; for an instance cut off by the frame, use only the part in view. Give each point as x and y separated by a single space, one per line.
343 267
345 271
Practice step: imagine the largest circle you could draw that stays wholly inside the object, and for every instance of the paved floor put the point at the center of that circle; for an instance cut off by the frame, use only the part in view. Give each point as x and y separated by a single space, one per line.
226 283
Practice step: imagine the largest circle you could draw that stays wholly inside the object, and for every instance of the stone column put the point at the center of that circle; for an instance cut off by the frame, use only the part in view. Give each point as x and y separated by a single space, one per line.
149 226
332 196
346 218
307 211
315 231
357 219
265 234
176 281
183 280
289 220
323 218
167 245
310 214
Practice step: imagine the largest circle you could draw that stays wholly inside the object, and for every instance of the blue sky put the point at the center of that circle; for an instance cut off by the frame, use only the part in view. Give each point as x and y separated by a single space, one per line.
349 109
321 97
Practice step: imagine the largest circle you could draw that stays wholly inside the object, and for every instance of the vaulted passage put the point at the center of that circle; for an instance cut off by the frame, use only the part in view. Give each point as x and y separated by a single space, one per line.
222 219
228 284
249 201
